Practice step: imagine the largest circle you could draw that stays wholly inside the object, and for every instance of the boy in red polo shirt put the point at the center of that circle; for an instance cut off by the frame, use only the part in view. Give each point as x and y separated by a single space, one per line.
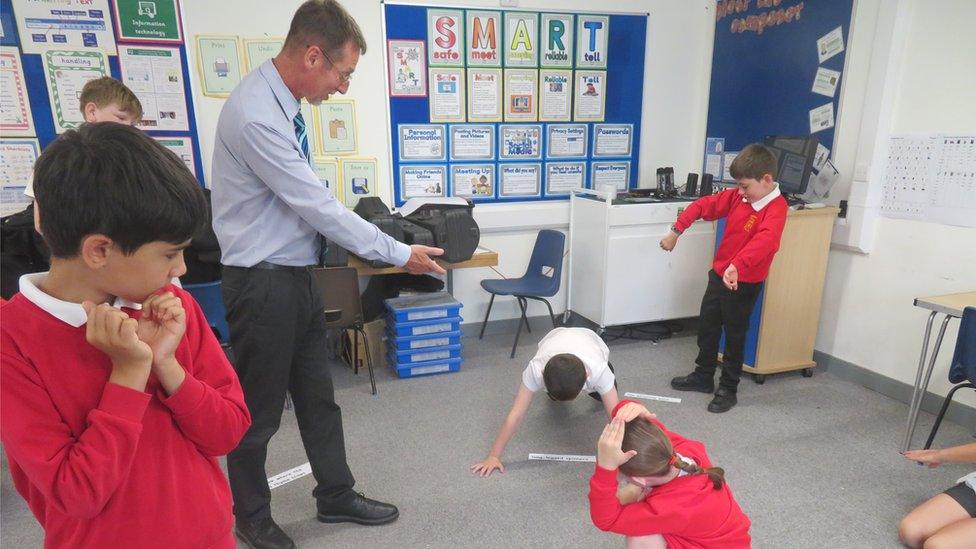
755 214
116 398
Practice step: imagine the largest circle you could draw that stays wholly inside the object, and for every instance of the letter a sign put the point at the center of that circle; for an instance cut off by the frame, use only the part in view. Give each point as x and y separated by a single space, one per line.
521 39
483 38
445 38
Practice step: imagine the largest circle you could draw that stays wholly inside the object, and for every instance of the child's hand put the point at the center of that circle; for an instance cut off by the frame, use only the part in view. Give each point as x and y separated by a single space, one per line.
632 410
485 468
609 455
731 277
929 457
668 242
629 493
162 325
112 332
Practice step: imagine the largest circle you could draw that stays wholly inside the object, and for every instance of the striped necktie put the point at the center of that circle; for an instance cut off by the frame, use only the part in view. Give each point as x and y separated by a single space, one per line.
301 132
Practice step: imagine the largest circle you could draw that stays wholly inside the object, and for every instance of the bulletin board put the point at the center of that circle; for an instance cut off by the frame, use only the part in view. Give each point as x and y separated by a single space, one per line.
184 142
777 68
534 145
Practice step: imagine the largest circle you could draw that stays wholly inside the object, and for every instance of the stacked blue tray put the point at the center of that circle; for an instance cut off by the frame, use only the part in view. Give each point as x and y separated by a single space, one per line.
424 334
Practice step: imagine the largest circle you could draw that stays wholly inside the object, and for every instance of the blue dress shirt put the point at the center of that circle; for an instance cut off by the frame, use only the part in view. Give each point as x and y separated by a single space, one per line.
268 204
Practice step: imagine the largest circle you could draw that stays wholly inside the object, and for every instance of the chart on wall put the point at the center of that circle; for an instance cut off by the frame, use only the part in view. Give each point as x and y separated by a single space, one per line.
498 105
52 49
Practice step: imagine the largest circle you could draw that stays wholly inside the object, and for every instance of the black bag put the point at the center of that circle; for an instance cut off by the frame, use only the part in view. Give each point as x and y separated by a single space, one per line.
22 250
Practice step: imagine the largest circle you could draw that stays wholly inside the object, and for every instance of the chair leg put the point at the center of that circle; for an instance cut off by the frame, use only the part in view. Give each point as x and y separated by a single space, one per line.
355 352
552 316
288 405
488 312
942 412
521 302
369 362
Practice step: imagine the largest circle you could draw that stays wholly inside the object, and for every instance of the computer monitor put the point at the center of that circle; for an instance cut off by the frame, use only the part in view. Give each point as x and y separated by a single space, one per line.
794 161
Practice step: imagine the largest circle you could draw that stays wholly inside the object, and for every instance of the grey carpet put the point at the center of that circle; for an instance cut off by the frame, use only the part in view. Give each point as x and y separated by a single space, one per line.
814 462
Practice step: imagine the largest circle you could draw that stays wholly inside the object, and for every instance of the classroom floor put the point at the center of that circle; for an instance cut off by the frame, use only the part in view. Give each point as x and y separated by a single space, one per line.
813 462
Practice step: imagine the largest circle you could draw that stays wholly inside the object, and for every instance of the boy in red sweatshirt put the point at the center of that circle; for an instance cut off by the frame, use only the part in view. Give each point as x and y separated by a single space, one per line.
116 399
755 214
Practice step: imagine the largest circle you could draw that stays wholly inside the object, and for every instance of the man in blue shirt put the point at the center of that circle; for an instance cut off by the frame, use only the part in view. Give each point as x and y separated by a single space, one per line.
269 213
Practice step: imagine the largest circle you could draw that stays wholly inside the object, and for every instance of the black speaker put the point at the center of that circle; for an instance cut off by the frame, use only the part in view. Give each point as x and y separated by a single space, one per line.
706 186
691 186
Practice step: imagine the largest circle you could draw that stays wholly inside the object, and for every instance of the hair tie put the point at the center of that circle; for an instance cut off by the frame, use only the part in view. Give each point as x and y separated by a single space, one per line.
672 459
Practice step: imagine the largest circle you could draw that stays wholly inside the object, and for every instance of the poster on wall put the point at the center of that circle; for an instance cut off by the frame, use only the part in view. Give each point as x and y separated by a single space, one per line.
66 73
612 139
520 180
555 95
327 170
422 142
521 34
566 141
447 102
556 41
259 50
155 75
16 119
444 35
148 21
591 95
610 173
484 95
219 63
822 118
422 181
181 147
520 142
564 177
483 38
714 156
473 180
825 82
407 70
473 142
358 179
592 32
521 94
16 173
830 44
337 121
64 24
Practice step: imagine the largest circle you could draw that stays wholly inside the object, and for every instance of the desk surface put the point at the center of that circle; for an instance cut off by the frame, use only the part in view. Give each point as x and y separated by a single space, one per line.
481 258
950 304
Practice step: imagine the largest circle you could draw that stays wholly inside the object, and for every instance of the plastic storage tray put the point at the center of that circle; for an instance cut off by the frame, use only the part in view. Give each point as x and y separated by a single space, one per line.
407 343
413 308
426 368
425 327
426 355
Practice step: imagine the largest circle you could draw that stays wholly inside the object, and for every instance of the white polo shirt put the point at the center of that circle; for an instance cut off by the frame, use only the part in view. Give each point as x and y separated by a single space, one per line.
581 342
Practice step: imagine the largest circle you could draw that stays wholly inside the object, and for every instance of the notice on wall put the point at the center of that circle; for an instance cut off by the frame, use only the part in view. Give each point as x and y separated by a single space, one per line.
64 24
66 73
830 44
472 142
447 95
521 94
444 38
358 179
259 50
422 142
337 121
16 173
181 147
484 95
520 142
483 38
612 139
521 32
714 156
825 82
822 118
219 63
566 140
155 75
556 95
611 173
520 180
148 21
473 180
591 95
16 119
407 70
591 41
564 177
556 41
422 181
327 170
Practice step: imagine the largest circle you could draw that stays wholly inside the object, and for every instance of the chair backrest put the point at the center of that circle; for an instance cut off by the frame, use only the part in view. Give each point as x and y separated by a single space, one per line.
339 287
208 296
547 258
964 357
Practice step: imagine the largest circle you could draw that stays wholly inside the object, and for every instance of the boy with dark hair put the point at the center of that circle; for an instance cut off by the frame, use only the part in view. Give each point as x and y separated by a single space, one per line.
755 214
568 361
112 434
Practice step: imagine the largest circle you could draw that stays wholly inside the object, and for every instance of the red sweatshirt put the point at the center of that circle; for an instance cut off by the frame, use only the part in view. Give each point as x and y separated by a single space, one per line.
687 510
102 465
751 238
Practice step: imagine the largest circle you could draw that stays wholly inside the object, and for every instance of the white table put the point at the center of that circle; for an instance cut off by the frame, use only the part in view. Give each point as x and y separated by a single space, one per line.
950 305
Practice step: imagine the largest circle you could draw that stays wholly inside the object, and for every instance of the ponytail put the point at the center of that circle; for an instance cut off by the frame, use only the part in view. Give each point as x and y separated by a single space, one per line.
715 474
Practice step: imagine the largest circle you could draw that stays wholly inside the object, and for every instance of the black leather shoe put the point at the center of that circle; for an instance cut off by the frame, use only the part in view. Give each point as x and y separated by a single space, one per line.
263 534
693 382
723 402
357 508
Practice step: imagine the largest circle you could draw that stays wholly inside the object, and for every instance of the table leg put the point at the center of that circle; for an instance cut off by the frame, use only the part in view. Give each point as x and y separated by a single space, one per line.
922 382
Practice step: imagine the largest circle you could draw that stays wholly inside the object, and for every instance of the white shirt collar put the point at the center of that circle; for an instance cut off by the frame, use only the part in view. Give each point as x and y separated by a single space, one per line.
65 311
760 204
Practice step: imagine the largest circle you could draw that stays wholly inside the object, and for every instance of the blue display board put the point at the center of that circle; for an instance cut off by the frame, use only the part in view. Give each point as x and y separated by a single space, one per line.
41 105
623 105
764 63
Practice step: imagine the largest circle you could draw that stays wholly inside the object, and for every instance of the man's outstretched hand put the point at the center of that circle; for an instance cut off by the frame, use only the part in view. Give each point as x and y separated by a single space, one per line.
420 261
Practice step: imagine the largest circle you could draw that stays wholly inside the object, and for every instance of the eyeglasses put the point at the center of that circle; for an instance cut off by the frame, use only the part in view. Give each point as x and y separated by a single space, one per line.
343 78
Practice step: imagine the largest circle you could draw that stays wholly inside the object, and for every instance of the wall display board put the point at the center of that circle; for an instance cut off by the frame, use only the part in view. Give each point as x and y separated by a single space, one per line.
797 49
140 43
518 105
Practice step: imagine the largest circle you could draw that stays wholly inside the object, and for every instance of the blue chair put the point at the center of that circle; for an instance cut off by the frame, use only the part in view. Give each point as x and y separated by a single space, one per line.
963 368
541 280
208 296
